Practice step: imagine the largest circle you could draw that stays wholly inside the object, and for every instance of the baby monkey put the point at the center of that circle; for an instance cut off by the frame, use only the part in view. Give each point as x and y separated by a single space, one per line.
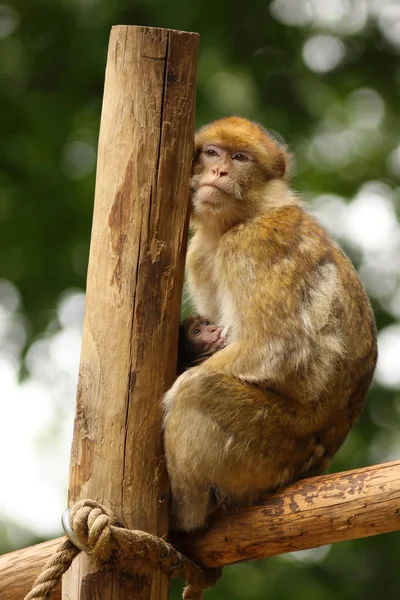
198 339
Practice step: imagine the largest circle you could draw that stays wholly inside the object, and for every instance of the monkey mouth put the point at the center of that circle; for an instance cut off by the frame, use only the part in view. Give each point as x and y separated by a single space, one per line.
212 192
208 195
212 185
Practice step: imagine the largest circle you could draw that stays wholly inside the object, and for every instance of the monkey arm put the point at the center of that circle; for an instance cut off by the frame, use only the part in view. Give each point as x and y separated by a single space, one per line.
248 363
275 303
230 361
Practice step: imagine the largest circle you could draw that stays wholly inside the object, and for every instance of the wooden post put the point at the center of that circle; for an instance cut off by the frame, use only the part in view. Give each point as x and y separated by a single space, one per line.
133 296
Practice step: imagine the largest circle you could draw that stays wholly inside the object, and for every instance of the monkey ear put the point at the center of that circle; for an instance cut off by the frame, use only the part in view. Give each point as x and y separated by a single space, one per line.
280 164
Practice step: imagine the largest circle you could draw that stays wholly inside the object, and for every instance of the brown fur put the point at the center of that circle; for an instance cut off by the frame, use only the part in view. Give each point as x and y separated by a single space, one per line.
236 133
277 402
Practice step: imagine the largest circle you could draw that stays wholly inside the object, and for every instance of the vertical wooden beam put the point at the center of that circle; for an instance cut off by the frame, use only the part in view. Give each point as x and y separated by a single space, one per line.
133 296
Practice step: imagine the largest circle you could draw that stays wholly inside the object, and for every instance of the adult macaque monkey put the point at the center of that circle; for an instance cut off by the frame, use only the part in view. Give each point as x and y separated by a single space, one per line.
198 340
276 403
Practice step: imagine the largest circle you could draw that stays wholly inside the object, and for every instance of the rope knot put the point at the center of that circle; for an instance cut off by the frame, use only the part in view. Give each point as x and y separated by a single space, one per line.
92 528
90 521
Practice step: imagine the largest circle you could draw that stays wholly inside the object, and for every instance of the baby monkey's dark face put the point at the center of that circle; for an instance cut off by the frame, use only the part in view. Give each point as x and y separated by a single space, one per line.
204 336
198 339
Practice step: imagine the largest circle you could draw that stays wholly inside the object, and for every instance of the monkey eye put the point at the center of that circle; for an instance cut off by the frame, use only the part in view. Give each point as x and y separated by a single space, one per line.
196 331
206 323
211 152
240 157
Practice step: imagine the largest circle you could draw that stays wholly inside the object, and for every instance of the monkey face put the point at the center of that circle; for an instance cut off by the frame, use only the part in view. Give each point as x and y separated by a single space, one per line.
221 179
234 162
198 339
221 170
204 335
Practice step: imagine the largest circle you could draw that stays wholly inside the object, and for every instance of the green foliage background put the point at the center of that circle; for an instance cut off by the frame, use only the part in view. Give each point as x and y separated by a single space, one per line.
52 61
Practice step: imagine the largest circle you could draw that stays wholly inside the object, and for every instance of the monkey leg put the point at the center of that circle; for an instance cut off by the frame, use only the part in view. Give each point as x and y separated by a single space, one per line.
191 490
191 503
235 437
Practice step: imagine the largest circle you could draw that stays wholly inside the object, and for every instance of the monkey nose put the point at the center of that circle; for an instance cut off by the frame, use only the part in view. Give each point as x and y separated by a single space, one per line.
220 172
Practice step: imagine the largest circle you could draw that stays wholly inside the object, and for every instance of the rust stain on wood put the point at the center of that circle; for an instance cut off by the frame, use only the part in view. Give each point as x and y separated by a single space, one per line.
120 50
132 381
94 584
82 466
87 455
119 220
293 505
350 485
156 58
156 248
274 507
171 75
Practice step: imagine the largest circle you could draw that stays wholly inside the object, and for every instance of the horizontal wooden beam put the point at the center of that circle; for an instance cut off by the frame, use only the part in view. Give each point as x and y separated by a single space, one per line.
19 569
310 513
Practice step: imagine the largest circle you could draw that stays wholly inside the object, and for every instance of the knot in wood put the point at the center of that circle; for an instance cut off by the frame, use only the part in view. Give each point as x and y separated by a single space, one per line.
91 524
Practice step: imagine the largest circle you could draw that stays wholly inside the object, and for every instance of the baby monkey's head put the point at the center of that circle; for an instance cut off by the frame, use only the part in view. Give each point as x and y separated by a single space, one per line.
199 338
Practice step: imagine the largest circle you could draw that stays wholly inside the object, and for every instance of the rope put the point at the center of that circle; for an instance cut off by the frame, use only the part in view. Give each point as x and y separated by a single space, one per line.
95 528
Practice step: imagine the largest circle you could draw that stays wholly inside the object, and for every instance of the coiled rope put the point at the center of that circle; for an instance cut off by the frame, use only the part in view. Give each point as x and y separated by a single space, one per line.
94 528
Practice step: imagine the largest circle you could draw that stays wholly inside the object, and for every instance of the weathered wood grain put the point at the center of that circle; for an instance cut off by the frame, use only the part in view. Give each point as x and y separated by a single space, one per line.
310 513
134 288
19 569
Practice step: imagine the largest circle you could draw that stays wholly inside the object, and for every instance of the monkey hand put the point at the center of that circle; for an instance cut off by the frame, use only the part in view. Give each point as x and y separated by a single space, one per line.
225 334
226 360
